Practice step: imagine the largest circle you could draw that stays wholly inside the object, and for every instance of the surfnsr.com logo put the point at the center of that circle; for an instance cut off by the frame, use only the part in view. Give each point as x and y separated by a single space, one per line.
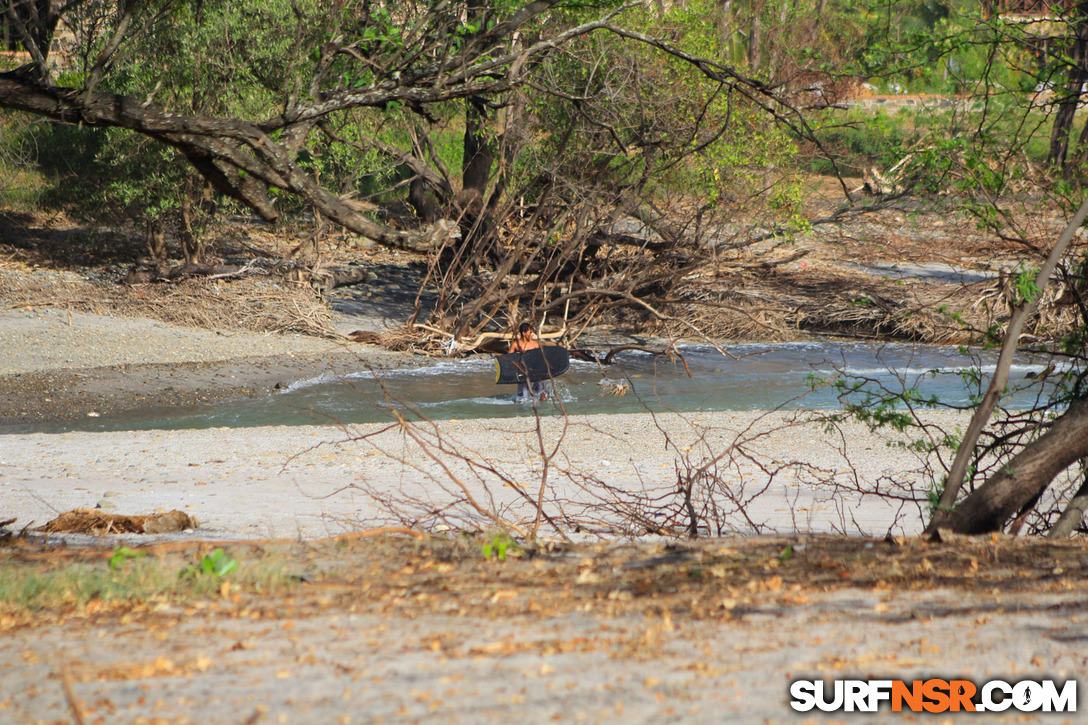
933 695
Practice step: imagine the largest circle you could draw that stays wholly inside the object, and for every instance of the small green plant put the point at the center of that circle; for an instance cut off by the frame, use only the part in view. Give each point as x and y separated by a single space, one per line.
136 577
933 499
1027 291
123 554
500 546
216 564
786 554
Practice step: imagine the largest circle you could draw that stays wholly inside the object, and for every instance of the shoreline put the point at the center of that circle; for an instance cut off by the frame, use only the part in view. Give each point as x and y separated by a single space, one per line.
57 366
314 481
372 626
70 394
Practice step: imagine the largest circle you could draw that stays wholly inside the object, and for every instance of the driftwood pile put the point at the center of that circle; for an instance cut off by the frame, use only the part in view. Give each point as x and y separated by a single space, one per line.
99 523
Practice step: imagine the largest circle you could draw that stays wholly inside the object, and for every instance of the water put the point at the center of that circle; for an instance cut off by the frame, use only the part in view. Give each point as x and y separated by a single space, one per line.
763 376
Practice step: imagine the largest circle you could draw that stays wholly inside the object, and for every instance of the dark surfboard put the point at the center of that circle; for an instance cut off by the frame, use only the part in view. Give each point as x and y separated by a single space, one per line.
541 364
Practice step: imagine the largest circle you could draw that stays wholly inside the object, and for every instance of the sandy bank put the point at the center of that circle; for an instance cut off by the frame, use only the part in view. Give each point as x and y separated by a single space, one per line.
769 473
56 365
755 472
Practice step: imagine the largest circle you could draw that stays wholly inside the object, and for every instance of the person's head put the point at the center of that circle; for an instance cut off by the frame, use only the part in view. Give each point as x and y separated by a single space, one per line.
525 329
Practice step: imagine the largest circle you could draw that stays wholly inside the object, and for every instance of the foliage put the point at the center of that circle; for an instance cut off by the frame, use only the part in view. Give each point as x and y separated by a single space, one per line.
1012 429
216 564
122 554
241 59
245 59
500 546
1027 291
863 140
21 185
531 130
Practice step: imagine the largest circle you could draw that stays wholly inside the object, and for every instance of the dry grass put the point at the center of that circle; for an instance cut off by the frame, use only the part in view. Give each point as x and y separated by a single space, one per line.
52 262
37 581
711 578
400 339
827 300
779 290
253 305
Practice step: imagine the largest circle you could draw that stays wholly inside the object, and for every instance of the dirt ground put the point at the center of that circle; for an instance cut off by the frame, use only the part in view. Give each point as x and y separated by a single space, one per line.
373 628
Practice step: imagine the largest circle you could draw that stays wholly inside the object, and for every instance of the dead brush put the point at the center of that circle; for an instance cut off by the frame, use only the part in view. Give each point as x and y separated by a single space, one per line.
399 339
99 523
251 304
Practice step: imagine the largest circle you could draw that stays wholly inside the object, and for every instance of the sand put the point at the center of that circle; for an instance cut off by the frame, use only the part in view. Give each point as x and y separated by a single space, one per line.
316 481
357 666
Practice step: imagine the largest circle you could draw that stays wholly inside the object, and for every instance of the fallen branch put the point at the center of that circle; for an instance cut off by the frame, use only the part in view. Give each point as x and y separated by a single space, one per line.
164 273
667 352
458 346
70 696
627 296
380 531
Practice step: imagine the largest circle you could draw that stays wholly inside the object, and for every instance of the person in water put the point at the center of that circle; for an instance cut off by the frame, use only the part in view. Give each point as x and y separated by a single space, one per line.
524 342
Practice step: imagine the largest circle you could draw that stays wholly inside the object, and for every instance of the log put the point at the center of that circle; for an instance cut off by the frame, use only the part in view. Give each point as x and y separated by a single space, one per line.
158 272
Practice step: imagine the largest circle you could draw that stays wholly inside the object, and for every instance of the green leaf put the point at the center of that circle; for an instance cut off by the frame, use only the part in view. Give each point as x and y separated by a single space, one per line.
122 554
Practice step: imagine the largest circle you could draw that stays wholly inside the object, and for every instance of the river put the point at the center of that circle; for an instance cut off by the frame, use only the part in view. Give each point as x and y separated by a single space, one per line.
701 378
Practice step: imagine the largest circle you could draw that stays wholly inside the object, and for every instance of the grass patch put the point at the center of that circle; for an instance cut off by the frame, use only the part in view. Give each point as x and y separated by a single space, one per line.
20 189
863 138
455 576
73 585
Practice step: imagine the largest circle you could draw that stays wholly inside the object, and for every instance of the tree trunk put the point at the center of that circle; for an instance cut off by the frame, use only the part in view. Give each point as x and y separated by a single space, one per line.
725 29
1074 512
478 156
1026 476
163 272
1021 312
31 23
755 42
1081 154
426 209
191 247
1076 76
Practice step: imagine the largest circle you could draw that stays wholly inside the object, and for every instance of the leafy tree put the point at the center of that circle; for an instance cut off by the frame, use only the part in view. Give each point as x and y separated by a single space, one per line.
270 80
511 125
